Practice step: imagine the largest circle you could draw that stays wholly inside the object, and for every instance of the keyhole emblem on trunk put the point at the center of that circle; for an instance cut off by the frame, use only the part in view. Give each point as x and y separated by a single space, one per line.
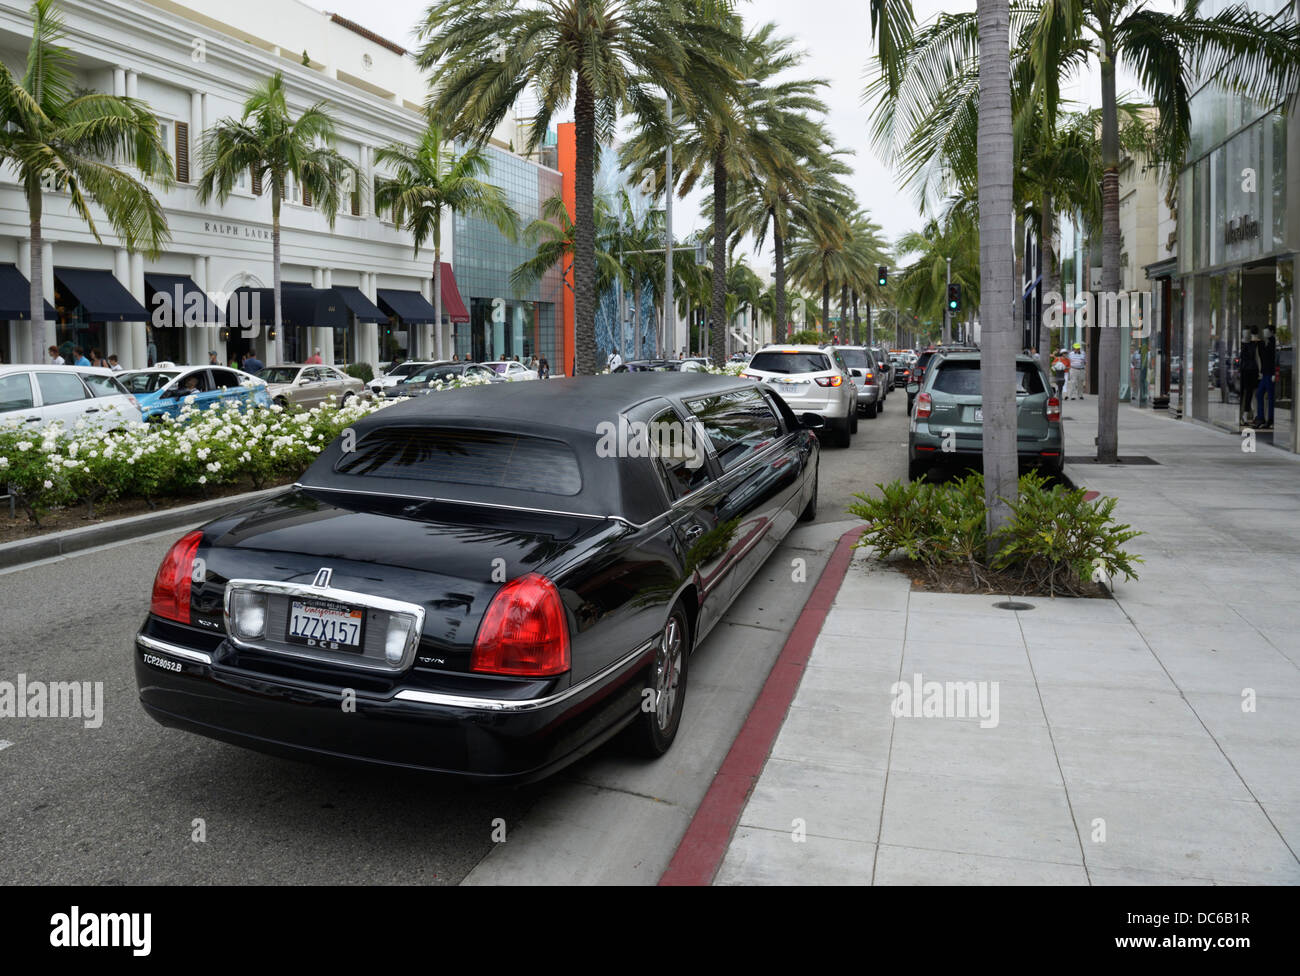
322 580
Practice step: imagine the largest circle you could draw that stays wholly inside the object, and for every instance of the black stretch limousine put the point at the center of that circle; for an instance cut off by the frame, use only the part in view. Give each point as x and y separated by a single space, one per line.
483 583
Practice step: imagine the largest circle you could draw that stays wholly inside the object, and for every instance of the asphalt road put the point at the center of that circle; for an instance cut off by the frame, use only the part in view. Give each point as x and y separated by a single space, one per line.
124 802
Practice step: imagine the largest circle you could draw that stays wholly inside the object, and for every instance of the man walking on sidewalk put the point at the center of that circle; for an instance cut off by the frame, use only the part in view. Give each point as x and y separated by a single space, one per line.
1074 389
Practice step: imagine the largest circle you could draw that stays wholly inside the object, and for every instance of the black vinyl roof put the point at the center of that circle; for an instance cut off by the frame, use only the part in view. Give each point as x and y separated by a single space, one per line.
569 410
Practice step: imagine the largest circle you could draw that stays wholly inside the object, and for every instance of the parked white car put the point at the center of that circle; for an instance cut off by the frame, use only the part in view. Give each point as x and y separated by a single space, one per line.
38 395
511 370
810 379
383 385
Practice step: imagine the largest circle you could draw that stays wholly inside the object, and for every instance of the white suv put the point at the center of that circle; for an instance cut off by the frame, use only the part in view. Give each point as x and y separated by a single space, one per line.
33 396
810 380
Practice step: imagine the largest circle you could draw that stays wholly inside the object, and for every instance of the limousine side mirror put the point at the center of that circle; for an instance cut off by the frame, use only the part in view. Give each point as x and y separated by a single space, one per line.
811 421
912 388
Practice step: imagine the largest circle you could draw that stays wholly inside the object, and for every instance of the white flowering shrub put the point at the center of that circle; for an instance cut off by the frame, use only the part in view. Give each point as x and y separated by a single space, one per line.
177 457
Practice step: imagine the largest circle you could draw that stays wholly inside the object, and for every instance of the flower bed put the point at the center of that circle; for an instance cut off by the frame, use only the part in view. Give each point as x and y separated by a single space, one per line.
186 457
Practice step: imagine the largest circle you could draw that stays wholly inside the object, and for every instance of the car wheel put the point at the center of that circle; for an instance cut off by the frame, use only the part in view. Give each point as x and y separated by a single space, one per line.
916 469
853 421
346 397
872 410
662 702
282 403
843 435
810 510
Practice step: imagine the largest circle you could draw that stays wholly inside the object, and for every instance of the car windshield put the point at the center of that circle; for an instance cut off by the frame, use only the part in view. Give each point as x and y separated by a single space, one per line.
278 374
793 361
147 381
962 378
405 369
855 358
481 458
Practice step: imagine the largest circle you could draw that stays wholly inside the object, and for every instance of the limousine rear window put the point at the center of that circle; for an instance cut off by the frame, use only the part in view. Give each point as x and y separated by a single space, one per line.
460 456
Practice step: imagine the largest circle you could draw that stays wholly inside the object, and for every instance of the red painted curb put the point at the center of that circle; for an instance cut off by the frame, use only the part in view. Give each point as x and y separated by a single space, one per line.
704 844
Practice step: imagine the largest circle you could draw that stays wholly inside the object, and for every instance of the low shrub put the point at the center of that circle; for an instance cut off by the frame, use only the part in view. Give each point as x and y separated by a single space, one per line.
1055 541
361 371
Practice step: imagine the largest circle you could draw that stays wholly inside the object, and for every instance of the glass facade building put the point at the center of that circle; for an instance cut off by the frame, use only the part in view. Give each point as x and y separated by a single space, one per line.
1238 240
504 323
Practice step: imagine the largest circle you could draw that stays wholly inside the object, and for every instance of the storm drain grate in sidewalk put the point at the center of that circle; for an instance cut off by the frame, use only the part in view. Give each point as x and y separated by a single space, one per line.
1013 605
1128 459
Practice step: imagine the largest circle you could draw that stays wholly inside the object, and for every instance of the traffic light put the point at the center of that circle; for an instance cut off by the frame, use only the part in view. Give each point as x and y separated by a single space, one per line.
954 297
882 276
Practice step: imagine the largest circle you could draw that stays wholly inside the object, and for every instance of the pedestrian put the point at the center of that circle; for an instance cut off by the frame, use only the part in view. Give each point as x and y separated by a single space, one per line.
1250 363
1060 370
543 369
97 360
151 348
1074 391
212 358
79 357
113 364
315 359
55 358
1267 368
252 364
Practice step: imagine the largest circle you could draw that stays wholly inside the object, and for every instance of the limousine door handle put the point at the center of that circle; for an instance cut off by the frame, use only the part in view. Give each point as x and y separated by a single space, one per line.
693 531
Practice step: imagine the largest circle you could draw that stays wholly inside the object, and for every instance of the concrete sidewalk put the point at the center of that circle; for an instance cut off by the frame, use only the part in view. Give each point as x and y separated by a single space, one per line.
1152 739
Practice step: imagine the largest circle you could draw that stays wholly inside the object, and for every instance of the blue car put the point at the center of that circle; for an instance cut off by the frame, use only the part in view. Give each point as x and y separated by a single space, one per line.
162 391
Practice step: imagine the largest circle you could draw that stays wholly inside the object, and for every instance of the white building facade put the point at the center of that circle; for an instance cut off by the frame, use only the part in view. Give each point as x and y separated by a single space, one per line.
194 64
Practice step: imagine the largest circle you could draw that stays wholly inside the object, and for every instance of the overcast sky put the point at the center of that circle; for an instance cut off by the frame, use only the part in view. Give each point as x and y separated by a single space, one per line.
836 34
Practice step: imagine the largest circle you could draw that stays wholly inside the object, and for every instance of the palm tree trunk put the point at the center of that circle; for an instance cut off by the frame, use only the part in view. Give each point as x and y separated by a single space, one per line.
1048 286
437 285
718 309
778 322
275 348
584 237
997 341
636 315
1106 367
844 311
41 342
826 303
857 323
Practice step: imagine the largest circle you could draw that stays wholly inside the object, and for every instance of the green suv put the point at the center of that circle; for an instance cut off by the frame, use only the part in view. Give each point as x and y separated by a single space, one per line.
947 424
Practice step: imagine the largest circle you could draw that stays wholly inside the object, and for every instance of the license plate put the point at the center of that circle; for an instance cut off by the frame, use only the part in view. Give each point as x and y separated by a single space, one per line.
788 389
325 624
979 415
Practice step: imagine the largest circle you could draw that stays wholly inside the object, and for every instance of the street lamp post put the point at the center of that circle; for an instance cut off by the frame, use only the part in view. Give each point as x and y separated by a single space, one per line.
947 327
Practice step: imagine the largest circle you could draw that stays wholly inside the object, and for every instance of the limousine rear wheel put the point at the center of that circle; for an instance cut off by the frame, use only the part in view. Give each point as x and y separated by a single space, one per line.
661 710
810 510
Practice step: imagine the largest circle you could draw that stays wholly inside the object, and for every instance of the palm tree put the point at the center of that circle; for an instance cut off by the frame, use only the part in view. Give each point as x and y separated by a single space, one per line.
268 142
429 181
599 55
68 141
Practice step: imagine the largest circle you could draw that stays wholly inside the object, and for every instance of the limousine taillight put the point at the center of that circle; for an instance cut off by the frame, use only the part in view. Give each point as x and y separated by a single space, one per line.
524 631
171 586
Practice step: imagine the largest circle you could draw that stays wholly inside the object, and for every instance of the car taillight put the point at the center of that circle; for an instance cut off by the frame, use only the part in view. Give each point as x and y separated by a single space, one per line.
171 586
749 376
924 405
1053 409
524 631
829 380
869 375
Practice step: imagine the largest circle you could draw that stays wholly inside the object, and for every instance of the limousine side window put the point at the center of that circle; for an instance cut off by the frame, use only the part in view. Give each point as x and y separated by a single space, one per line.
16 393
104 386
679 457
738 423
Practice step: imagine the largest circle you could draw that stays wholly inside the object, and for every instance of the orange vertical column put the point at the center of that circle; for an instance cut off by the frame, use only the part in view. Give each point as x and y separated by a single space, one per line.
567 146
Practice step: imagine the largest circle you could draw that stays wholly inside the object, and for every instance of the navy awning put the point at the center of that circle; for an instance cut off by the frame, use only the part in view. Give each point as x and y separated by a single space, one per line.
300 305
362 307
409 306
195 308
100 295
16 296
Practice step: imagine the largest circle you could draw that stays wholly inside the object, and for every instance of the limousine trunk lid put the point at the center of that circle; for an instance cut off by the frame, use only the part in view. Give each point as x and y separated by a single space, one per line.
448 559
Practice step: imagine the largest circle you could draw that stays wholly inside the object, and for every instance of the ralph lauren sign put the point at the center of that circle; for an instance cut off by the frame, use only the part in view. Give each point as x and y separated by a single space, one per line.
236 230
1241 229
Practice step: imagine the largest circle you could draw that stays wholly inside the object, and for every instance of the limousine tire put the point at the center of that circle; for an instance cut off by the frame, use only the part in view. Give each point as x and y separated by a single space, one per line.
654 729
810 510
